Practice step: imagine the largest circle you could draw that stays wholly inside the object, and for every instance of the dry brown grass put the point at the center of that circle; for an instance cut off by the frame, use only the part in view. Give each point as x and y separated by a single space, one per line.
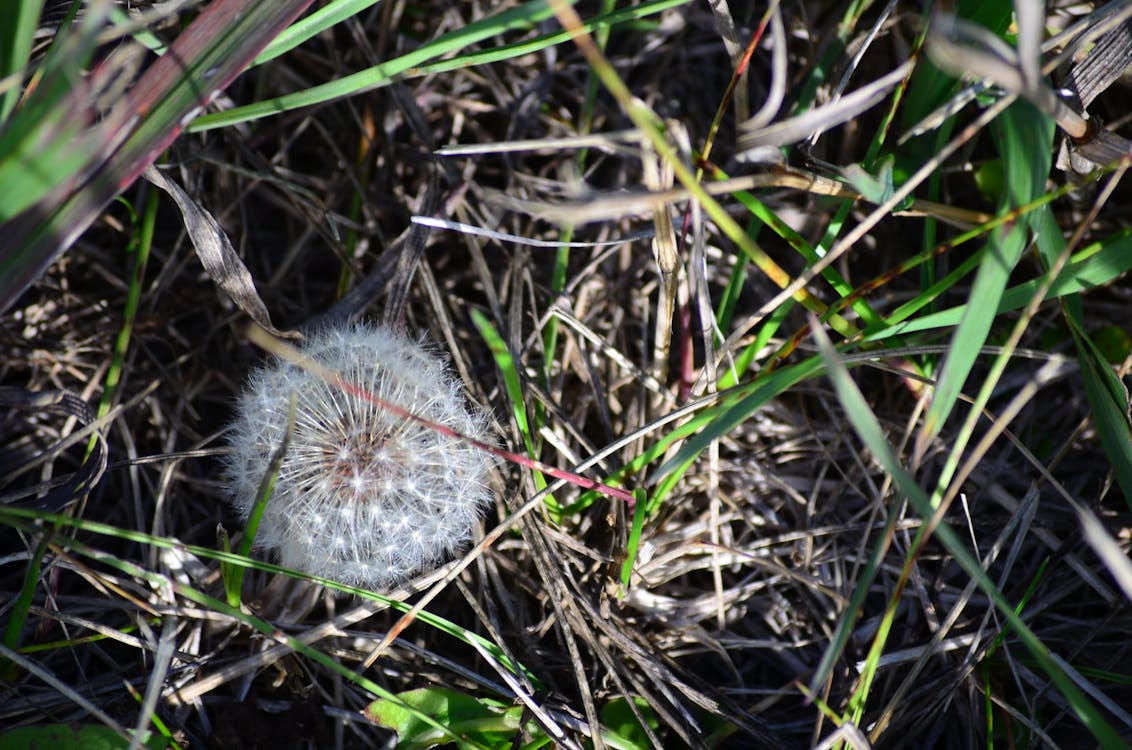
743 572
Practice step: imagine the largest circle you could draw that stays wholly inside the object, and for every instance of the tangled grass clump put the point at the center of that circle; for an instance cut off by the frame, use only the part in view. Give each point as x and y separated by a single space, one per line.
363 495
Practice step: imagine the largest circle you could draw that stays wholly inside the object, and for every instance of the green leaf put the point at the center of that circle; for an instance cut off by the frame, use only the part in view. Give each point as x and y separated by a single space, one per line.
617 716
486 723
873 188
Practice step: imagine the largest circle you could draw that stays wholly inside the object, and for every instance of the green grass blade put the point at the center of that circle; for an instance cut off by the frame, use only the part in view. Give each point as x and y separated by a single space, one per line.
513 384
1106 394
21 606
234 574
639 512
776 383
264 627
763 213
142 36
1025 139
1096 266
384 74
847 620
17 32
931 88
28 521
767 331
1108 400
414 63
868 429
139 249
322 19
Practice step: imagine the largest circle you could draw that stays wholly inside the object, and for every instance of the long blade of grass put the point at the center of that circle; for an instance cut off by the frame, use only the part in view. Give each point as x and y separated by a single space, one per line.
868 429
415 63
320 20
760 393
1025 139
1108 401
268 629
847 620
233 575
30 521
634 541
1096 266
511 381
1107 396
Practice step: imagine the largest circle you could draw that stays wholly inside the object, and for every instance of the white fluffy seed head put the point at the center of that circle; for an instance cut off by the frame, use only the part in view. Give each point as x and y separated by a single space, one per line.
363 496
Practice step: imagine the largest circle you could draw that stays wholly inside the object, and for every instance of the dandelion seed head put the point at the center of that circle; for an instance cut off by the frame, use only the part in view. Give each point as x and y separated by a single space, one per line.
363 495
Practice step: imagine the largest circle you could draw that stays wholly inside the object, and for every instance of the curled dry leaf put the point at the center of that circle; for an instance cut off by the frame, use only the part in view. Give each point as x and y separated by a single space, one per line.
217 254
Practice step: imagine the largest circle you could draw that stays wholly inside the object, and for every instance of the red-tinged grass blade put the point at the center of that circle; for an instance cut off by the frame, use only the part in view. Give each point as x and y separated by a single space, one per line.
290 354
867 427
220 43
